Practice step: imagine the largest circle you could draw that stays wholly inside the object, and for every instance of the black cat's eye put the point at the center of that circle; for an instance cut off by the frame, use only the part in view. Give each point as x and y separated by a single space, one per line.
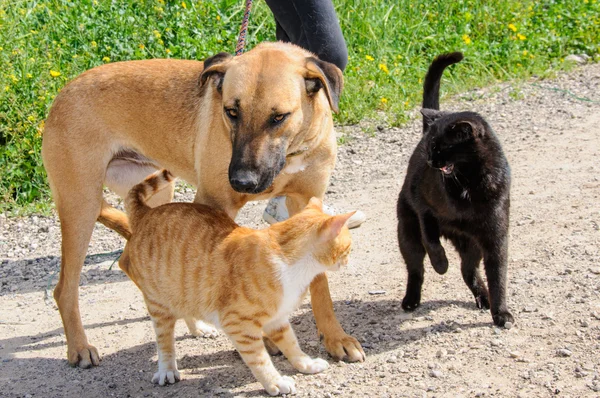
279 118
231 113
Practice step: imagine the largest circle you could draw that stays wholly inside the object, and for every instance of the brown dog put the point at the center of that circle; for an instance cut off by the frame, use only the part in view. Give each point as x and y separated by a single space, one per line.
239 129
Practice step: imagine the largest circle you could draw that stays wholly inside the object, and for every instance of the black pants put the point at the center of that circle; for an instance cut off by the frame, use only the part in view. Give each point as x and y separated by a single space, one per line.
313 25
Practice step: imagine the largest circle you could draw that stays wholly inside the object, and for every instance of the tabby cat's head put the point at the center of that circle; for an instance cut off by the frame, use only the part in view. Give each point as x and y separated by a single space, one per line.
326 238
452 139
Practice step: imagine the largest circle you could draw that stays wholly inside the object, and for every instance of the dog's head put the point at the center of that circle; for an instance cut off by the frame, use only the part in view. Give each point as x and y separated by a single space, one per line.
274 99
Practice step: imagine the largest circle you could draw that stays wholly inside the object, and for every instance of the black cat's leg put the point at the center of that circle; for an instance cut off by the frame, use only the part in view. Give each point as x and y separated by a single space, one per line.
495 260
471 256
413 252
430 230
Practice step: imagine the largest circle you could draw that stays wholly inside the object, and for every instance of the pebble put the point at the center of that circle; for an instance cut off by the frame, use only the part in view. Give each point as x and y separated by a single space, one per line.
508 325
595 270
563 352
515 354
496 343
435 373
374 292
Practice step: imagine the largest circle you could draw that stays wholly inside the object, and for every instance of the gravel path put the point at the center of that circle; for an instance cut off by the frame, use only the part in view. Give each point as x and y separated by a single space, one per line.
447 348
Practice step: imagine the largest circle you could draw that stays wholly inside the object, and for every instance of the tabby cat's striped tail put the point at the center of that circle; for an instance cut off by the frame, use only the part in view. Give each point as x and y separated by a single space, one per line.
135 203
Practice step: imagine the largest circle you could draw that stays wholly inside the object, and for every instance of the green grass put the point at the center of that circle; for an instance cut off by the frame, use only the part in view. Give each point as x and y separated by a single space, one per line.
44 44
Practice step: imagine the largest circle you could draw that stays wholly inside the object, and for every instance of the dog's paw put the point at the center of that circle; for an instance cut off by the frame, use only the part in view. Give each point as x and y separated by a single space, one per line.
201 329
84 357
166 376
309 365
282 385
411 301
342 346
501 318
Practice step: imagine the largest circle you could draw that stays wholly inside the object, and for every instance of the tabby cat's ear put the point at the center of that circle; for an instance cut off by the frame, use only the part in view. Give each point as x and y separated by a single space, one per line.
431 115
468 129
332 227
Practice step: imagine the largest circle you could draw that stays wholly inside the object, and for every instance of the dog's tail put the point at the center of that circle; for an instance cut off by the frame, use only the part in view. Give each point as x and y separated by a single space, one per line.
431 87
115 220
135 203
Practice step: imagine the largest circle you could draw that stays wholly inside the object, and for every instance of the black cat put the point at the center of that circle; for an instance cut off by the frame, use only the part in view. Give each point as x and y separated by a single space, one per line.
457 186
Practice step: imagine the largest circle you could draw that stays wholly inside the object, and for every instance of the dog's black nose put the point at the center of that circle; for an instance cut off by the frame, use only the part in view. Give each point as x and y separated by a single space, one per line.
244 181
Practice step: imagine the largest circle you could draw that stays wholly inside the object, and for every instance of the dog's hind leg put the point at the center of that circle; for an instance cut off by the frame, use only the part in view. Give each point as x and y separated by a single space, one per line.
77 191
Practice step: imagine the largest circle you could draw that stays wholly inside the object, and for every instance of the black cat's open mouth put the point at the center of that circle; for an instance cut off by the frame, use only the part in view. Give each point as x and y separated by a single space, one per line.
447 169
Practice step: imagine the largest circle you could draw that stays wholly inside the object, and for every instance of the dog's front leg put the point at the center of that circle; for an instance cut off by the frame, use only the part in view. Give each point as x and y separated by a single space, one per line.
340 345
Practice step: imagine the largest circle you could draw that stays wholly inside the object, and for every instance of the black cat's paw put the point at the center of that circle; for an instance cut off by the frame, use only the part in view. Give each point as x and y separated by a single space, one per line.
439 261
410 302
482 301
501 318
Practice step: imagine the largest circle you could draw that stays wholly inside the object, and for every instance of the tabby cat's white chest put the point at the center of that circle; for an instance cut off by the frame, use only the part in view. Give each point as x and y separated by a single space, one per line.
295 279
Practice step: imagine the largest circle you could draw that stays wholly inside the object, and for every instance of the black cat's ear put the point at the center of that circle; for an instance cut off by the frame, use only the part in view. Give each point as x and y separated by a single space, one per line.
430 116
467 129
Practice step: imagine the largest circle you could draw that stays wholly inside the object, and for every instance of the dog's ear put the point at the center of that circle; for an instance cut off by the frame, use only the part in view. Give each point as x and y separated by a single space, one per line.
321 74
215 66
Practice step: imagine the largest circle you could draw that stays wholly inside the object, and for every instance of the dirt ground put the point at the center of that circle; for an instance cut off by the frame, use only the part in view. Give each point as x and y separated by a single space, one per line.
447 348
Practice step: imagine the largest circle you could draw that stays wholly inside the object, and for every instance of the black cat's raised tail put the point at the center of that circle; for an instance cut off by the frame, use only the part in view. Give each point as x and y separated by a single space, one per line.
431 87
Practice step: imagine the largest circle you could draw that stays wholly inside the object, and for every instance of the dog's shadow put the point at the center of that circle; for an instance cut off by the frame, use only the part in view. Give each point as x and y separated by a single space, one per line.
377 324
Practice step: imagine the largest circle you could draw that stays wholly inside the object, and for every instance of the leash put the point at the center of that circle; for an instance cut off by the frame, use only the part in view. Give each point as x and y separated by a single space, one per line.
241 43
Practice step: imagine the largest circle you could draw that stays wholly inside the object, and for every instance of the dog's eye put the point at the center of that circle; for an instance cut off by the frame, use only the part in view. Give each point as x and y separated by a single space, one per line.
231 113
279 118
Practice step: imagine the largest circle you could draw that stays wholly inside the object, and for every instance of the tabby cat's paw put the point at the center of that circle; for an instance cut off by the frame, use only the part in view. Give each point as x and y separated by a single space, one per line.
501 318
309 365
282 385
167 376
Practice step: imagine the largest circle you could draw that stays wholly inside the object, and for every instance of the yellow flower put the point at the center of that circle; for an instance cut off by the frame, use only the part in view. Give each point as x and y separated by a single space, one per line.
94 44
525 52
512 27
14 78
141 46
168 51
183 4
156 34
384 100
29 75
106 59
466 39
218 17
54 73
384 68
521 37
369 58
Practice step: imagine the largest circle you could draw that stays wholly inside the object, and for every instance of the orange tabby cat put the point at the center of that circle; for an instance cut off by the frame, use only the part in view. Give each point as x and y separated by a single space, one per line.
194 262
